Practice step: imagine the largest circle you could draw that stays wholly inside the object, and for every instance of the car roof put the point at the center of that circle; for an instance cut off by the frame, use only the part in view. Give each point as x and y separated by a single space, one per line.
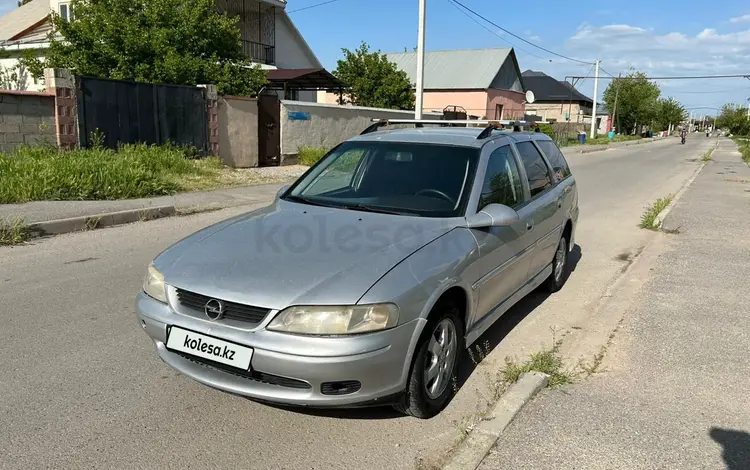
459 136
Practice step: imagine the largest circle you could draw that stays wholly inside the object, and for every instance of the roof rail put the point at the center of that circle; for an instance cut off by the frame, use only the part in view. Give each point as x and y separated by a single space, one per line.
491 124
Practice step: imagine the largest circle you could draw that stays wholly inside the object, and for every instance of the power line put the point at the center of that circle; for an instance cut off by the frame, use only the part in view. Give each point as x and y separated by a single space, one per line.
696 77
494 32
312 6
517 36
709 91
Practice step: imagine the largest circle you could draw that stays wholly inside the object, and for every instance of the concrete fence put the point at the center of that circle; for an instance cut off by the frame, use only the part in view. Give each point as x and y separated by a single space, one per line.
238 131
26 117
305 124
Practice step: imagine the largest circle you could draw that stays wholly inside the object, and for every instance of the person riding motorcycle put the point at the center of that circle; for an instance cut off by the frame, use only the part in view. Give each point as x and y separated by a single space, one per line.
683 135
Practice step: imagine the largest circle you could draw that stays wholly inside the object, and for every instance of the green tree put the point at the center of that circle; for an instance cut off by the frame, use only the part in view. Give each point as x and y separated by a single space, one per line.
22 2
637 100
373 80
669 111
733 117
183 42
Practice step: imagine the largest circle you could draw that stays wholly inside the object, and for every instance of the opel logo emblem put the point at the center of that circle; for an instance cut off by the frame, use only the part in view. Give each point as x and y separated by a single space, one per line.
214 309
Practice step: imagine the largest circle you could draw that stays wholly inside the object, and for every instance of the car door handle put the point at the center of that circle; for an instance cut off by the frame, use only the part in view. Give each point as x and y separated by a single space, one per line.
529 225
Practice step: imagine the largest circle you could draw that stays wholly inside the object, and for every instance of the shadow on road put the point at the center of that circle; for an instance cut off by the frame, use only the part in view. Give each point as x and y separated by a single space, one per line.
736 447
497 332
488 342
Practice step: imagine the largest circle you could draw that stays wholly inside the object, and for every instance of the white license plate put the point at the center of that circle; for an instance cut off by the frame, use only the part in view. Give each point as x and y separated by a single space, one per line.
207 347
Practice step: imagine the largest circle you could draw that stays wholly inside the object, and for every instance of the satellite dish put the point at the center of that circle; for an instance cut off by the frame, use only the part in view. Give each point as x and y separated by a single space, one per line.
530 96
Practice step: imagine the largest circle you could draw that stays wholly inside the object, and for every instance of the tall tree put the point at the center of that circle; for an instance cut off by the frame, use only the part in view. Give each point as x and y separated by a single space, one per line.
733 117
373 80
183 42
637 100
669 111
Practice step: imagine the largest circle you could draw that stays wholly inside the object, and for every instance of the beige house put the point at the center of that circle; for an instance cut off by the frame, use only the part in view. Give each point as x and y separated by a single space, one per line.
486 83
556 101
269 36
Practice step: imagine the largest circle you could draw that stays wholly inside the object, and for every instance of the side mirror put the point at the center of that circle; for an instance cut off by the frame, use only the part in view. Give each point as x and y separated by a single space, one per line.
282 190
493 215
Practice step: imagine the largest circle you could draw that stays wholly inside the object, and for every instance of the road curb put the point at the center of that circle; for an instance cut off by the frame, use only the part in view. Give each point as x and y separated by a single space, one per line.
472 450
659 219
606 147
91 222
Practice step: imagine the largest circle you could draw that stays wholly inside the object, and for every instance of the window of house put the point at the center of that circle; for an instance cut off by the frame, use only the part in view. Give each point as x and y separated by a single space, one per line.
536 170
502 181
65 11
556 158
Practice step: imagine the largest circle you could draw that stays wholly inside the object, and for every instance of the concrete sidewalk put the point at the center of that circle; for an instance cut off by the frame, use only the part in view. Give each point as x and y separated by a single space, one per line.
672 391
45 211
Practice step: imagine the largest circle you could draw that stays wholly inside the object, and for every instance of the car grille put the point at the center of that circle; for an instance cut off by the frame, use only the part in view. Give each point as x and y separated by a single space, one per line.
254 375
234 311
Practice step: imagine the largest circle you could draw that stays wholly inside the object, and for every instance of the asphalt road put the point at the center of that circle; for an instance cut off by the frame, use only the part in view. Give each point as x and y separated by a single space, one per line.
674 383
82 387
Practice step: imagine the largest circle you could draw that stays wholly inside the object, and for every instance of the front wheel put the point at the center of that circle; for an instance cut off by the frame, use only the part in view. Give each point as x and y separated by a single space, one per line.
435 365
560 268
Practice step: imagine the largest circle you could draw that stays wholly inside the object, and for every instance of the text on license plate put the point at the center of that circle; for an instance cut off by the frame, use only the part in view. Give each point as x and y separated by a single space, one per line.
210 348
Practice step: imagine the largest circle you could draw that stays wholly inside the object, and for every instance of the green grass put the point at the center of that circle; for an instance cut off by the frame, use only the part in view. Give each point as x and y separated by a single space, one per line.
604 140
744 147
13 231
649 217
133 171
707 156
309 156
547 361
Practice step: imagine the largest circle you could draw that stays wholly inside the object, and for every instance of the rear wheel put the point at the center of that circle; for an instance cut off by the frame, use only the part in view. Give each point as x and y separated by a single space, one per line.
560 268
435 365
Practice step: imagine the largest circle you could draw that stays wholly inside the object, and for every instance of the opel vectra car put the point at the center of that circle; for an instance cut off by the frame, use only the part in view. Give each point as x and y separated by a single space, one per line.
366 279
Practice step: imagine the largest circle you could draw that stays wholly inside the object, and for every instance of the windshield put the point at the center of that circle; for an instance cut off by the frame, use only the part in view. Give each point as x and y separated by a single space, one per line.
425 180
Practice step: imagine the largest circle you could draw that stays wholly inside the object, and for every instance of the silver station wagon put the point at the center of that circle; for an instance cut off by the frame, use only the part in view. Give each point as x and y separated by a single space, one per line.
365 280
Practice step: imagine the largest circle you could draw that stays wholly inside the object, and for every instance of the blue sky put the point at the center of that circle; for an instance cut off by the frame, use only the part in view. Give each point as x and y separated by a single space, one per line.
683 38
659 37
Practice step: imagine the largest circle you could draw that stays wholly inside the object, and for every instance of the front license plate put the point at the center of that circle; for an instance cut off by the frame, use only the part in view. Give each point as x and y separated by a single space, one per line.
207 347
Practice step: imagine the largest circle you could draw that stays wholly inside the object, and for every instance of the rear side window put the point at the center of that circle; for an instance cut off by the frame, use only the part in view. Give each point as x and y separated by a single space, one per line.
556 158
536 169
502 182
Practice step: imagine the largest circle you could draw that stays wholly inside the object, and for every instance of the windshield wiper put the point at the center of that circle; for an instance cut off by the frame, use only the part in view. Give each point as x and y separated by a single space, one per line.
306 200
366 208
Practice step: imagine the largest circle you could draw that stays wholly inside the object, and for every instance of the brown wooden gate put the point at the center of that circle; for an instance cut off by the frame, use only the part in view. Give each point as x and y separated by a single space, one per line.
269 130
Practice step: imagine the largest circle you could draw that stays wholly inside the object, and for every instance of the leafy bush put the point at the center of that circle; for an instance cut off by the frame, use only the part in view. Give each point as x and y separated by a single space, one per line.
310 155
133 171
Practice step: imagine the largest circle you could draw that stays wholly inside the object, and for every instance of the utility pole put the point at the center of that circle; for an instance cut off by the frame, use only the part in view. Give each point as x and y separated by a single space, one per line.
420 60
596 90
617 95
690 120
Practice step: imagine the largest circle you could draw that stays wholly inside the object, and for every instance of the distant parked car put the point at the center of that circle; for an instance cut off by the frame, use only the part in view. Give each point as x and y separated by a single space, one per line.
364 281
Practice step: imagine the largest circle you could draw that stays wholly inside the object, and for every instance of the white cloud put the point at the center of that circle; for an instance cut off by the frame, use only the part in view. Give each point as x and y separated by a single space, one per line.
740 19
622 46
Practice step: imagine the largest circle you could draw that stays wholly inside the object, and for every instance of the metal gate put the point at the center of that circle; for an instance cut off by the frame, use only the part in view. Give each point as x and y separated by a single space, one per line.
269 130
132 112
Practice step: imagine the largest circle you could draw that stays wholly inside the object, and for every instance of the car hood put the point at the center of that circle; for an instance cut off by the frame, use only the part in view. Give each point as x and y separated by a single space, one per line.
296 254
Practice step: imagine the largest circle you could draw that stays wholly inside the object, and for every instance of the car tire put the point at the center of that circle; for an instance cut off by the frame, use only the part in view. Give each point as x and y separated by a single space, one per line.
561 270
421 400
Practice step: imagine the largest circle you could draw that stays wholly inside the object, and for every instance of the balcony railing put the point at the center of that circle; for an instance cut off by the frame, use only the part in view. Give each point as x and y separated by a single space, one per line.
258 52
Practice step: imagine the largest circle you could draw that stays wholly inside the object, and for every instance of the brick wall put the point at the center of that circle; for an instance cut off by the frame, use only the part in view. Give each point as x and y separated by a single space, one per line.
26 117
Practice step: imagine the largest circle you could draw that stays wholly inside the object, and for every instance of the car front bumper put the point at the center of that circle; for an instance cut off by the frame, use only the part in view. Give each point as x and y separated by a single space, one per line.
289 369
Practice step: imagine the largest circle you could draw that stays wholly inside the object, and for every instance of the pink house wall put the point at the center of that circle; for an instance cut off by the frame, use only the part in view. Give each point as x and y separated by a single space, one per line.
479 103
473 101
511 101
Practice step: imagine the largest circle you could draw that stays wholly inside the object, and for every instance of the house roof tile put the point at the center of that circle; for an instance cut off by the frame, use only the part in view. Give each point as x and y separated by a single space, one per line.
546 88
455 69
22 18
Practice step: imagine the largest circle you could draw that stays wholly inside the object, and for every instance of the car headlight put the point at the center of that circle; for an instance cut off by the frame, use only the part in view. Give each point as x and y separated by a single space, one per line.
153 285
335 320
